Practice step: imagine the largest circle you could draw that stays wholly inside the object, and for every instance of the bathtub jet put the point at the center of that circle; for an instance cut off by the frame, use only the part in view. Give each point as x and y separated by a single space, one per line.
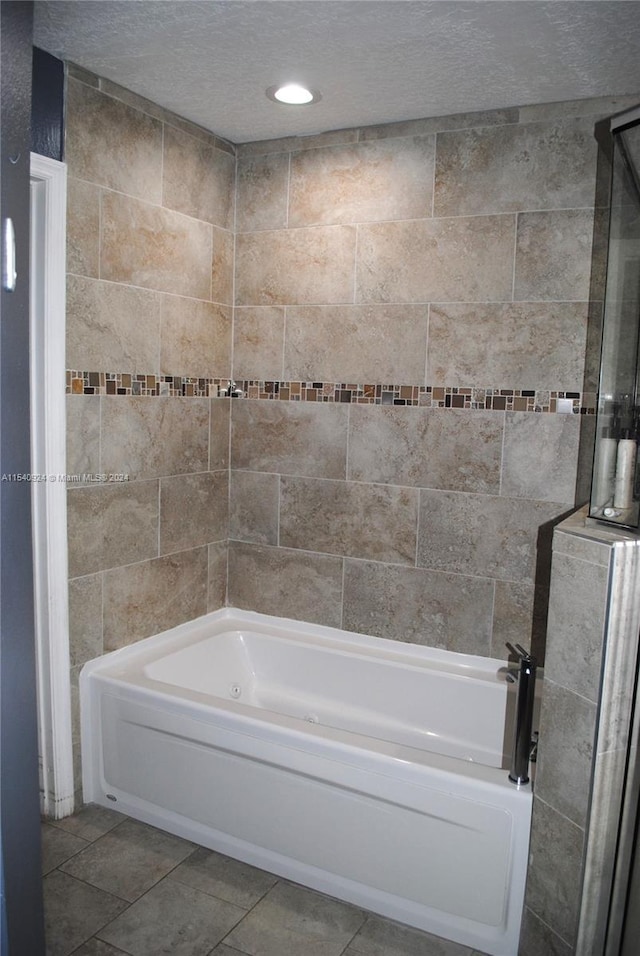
367 769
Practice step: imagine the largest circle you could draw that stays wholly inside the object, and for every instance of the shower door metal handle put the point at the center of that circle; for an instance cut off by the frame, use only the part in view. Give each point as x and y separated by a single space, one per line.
9 274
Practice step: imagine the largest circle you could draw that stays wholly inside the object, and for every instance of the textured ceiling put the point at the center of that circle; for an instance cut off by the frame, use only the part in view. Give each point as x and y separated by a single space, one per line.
374 61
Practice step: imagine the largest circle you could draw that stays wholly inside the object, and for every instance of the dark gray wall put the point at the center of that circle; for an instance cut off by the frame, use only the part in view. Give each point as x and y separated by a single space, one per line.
19 797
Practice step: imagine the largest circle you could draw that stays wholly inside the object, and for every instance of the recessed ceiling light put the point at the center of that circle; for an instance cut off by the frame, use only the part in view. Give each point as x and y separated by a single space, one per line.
293 94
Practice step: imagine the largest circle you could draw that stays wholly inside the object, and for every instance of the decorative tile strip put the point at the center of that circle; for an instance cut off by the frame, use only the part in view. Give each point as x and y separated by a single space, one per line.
430 396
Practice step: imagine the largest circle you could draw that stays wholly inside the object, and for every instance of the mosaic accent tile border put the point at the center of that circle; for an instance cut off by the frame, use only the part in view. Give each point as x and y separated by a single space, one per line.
430 396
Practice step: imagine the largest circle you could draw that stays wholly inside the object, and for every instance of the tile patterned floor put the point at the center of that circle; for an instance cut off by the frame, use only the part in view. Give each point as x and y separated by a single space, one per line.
116 887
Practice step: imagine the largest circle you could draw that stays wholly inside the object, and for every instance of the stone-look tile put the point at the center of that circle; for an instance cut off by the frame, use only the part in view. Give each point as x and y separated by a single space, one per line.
128 860
524 344
262 193
58 846
576 540
540 454
553 255
563 771
219 428
509 168
227 879
596 105
513 610
458 260
83 436
150 597
110 525
222 259
111 144
95 947
258 341
217 587
83 228
296 920
422 607
456 450
74 911
536 938
284 144
111 327
85 618
481 534
381 937
253 507
296 267
436 124
363 182
553 887
149 437
356 343
577 609
145 245
290 438
376 522
194 510
91 821
294 584
195 338
172 920
197 179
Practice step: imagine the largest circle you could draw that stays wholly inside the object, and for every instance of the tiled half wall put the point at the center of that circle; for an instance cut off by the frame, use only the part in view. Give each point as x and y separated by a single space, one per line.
405 299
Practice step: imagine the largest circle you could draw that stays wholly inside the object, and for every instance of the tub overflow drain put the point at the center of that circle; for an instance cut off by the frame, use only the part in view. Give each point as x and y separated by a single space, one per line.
235 690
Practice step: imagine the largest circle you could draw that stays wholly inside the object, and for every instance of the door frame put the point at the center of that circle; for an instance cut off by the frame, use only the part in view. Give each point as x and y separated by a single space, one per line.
48 485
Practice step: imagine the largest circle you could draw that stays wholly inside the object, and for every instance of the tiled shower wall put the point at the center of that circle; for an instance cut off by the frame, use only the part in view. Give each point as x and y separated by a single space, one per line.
446 261
411 303
149 309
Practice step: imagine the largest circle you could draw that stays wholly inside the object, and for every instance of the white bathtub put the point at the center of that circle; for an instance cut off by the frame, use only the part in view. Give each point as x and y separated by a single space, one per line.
370 770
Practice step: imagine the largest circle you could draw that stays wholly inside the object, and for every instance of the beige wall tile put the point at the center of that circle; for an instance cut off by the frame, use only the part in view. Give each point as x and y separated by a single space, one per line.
422 607
258 341
452 449
359 520
522 344
85 619
553 255
301 266
289 438
195 338
253 507
83 228
194 510
150 597
540 456
83 435
111 525
197 179
459 260
111 327
508 168
263 185
222 259
217 589
293 584
375 343
553 886
219 429
151 437
482 534
363 182
154 248
112 144
434 124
